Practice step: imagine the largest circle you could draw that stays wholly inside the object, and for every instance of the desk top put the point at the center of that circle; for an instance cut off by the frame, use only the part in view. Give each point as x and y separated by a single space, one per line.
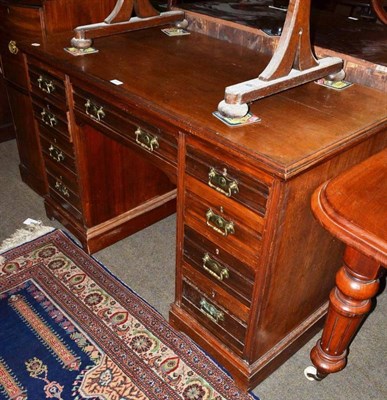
182 79
353 207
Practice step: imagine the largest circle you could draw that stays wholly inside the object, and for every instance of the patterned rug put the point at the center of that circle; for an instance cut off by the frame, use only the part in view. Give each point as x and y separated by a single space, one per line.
70 330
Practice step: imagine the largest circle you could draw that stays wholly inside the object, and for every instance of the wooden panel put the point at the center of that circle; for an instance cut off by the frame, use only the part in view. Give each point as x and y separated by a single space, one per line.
114 178
6 126
230 330
63 188
51 117
47 86
245 242
18 23
31 163
68 178
217 294
239 279
250 192
57 149
77 13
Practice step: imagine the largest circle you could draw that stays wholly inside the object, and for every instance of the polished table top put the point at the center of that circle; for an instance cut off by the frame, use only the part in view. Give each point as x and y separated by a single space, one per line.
182 79
353 207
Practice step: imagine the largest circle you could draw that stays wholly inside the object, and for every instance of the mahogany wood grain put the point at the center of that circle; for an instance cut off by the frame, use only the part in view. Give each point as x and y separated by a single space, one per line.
32 20
306 136
352 207
6 127
379 10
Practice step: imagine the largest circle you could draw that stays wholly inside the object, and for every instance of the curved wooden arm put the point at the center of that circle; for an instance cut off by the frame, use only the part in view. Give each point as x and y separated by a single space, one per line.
377 7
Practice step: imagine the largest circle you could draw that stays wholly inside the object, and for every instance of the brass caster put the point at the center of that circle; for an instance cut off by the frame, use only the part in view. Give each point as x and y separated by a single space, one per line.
81 43
233 110
312 374
337 76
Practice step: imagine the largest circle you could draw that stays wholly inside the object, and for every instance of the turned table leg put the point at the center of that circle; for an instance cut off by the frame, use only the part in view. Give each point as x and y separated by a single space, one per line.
350 301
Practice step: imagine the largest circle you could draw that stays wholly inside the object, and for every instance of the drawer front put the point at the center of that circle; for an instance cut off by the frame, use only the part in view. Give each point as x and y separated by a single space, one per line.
249 189
61 202
219 266
144 136
57 150
217 319
17 23
63 184
217 294
233 229
51 117
48 87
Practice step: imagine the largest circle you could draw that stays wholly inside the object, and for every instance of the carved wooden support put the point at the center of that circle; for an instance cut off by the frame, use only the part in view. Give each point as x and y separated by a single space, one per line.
378 8
121 20
292 64
350 302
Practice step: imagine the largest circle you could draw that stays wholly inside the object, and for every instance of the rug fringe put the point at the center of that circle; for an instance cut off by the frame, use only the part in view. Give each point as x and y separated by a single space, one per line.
32 231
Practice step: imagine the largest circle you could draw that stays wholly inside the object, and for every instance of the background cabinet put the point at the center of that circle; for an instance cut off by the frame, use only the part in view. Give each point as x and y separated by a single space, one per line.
33 19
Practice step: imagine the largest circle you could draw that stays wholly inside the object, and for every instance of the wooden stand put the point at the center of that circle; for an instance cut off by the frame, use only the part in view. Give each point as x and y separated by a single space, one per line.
292 64
377 7
120 20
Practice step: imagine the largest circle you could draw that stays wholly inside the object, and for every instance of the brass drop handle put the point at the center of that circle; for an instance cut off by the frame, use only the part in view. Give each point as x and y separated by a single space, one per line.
13 49
214 268
94 110
146 140
61 187
210 311
45 84
48 118
219 224
221 182
56 153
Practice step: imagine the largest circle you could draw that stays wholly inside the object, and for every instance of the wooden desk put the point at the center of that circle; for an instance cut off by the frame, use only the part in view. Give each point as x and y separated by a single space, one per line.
30 19
253 267
353 208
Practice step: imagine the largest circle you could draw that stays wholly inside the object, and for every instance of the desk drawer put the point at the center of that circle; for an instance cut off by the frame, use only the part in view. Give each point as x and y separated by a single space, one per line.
63 183
214 317
144 136
224 175
235 230
47 86
217 265
57 150
50 117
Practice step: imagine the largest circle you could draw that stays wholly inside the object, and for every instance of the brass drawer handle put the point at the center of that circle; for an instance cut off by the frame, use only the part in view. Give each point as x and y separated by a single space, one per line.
94 111
219 224
210 311
222 183
56 153
48 118
61 187
214 268
145 139
12 47
45 84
